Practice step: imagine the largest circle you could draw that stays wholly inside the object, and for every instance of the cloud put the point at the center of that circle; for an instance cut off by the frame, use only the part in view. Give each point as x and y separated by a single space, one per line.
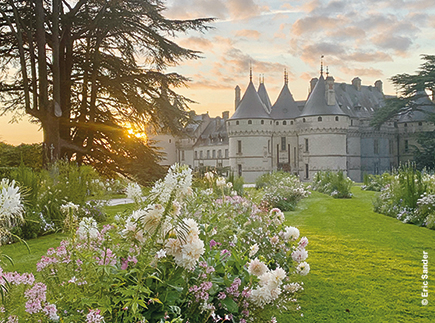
400 44
190 9
371 72
241 9
196 43
315 23
248 33
369 57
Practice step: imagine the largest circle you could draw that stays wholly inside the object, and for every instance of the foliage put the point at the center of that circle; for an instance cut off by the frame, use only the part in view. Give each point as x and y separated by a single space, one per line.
376 182
412 90
335 184
24 154
91 73
408 197
424 153
173 258
281 190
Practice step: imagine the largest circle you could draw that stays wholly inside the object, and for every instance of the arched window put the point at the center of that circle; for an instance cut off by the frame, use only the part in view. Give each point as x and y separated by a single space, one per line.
405 125
303 120
291 122
284 123
237 123
336 118
249 121
262 121
319 119
277 123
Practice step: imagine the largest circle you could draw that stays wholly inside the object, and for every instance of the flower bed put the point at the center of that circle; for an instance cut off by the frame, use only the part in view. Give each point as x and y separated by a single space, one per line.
409 197
335 184
182 255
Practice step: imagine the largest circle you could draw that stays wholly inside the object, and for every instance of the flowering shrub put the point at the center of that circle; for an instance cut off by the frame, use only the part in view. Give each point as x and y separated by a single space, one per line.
282 190
335 184
376 182
409 197
181 255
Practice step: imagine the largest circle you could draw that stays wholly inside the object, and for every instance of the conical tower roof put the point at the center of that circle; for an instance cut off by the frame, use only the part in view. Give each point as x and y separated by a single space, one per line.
262 93
316 103
285 106
251 106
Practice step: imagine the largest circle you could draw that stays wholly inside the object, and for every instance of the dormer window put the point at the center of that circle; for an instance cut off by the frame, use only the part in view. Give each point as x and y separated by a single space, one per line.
249 121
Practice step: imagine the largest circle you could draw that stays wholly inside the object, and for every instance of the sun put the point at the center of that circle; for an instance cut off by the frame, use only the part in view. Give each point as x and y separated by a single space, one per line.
132 131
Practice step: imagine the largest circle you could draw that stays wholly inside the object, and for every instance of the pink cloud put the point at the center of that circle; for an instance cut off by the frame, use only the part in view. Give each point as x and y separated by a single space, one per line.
248 33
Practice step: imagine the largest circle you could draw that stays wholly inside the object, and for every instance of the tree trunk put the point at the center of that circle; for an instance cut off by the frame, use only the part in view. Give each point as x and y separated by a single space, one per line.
51 146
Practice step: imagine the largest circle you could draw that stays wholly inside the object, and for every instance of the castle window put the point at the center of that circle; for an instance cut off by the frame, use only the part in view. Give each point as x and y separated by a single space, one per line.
284 123
406 146
219 153
283 143
200 155
277 123
336 118
249 121
306 145
307 172
219 164
390 146
237 123
262 121
239 170
196 154
270 122
291 122
214 153
303 120
376 146
405 125
182 155
319 119
208 154
268 146
226 153
351 122
239 146
420 123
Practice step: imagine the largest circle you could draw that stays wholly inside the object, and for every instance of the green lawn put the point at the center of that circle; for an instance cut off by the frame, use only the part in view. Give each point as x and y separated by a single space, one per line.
365 267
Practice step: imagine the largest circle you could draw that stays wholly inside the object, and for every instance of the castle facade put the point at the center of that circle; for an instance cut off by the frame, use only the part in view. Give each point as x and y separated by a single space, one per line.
329 131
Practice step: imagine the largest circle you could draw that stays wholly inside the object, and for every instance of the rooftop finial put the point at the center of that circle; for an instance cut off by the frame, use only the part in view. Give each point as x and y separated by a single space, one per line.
321 65
327 71
250 71
263 78
285 76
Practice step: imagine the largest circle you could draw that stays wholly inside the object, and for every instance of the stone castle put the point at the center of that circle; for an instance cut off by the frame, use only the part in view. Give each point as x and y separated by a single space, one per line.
329 131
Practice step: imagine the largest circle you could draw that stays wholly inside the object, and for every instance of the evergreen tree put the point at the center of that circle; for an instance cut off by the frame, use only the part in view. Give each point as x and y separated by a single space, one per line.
75 68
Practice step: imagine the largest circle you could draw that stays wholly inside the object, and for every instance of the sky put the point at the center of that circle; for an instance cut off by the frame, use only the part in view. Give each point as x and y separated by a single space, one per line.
369 39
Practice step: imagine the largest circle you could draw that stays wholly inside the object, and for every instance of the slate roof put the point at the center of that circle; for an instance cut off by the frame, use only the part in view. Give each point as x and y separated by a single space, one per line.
316 103
285 106
262 93
426 106
251 106
214 133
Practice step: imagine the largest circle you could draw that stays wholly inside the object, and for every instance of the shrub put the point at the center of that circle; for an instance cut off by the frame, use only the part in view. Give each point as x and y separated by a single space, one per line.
282 190
335 184
376 182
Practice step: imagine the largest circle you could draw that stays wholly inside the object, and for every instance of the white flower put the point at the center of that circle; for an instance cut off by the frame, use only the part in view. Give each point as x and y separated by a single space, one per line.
229 185
299 254
257 267
303 242
134 192
161 254
65 208
88 229
209 176
191 252
303 268
291 233
253 250
220 182
11 208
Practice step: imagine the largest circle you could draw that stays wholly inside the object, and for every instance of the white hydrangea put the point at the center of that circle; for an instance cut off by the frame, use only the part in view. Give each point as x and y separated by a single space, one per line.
303 268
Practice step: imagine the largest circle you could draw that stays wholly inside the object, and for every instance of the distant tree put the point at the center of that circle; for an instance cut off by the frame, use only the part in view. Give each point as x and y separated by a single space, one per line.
28 155
90 70
413 90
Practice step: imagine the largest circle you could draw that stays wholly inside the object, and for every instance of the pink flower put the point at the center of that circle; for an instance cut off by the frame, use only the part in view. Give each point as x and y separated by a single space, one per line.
94 316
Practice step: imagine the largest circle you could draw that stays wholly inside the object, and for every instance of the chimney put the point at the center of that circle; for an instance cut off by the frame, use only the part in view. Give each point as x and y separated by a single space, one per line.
356 82
313 83
237 101
329 91
226 115
378 85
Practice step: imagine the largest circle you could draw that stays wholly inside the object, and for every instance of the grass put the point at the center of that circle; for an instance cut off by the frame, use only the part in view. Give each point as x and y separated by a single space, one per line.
365 267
